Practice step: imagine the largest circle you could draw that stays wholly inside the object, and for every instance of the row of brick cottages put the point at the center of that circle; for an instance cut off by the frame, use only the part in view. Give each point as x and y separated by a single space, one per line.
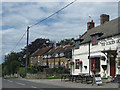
98 49
52 56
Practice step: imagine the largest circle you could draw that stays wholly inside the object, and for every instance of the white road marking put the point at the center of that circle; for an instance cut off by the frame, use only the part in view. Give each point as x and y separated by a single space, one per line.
20 83
10 81
33 87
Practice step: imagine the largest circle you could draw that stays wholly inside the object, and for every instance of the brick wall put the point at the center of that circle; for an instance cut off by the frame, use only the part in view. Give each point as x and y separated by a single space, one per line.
63 62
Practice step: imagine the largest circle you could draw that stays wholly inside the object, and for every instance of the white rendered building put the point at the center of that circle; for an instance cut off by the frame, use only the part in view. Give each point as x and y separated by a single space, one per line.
98 50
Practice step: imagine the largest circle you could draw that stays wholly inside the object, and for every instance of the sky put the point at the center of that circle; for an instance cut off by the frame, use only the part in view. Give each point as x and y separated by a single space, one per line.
69 23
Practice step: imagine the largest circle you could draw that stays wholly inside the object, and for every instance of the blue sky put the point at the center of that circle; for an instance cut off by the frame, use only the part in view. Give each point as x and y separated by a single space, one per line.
69 23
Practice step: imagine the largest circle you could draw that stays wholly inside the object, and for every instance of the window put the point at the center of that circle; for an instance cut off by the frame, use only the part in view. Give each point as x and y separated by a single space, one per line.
77 63
61 64
66 65
52 65
38 58
45 64
119 62
77 45
94 40
56 64
49 64
31 60
95 64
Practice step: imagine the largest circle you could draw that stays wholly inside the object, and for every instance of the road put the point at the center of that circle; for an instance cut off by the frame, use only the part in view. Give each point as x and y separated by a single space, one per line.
16 83
41 84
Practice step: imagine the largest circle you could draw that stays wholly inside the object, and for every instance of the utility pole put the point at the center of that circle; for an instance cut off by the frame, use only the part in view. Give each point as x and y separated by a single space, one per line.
27 55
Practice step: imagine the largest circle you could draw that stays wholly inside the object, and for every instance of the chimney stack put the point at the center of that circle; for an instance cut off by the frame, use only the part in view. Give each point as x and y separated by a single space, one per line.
90 25
104 18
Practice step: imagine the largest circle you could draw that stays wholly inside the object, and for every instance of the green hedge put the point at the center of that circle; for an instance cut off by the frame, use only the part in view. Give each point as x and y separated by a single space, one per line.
22 72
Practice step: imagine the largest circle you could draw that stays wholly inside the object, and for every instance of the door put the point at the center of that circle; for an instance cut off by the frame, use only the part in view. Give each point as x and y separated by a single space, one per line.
112 67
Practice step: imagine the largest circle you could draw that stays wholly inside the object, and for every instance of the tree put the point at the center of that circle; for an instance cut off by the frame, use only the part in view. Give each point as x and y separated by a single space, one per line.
14 66
5 70
13 62
37 44
66 42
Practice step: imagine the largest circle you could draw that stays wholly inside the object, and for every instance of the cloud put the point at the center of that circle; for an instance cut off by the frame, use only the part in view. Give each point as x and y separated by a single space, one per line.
69 23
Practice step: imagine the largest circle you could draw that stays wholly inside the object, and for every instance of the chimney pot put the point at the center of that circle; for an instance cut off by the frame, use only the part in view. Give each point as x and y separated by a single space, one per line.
90 25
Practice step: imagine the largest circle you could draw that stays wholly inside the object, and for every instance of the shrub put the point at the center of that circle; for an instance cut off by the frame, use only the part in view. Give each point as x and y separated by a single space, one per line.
31 69
22 72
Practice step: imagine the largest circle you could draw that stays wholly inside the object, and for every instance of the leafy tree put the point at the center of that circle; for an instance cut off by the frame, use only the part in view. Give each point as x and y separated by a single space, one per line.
5 70
14 66
38 43
13 61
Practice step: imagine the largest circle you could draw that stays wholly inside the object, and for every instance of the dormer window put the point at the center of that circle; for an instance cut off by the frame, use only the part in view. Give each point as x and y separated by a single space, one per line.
49 56
77 43
95 40
95 37
61 54
56 55
45 56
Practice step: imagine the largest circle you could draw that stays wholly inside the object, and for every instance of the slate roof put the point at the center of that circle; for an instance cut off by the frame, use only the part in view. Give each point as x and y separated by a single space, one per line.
51 50
108 29
62 49
41 51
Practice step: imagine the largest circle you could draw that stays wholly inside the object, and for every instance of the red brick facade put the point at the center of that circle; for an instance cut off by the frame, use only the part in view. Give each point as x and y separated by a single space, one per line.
42 59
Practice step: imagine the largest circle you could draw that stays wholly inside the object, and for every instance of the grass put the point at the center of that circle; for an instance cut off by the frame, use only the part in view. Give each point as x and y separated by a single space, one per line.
53 78
10 77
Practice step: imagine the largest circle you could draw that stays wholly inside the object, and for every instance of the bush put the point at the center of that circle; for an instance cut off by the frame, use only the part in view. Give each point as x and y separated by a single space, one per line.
40 72
31 70
22 72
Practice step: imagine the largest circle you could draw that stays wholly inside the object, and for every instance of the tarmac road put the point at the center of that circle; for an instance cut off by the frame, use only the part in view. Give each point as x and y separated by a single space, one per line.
39 84
16 83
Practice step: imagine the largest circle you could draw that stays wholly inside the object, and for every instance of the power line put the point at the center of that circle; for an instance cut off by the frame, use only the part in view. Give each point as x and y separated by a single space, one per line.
44 20
53 14
19 41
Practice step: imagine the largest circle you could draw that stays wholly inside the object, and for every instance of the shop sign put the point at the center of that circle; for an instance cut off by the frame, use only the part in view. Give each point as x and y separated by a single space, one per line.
110 42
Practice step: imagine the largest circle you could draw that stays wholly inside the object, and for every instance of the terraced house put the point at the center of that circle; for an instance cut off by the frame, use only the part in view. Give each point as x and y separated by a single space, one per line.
52 56
98 49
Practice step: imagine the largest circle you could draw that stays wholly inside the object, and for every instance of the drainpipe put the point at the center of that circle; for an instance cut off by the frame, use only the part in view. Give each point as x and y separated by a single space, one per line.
89 58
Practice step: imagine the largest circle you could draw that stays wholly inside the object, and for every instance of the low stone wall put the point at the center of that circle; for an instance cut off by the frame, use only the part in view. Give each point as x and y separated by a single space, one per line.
15 75
36 76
